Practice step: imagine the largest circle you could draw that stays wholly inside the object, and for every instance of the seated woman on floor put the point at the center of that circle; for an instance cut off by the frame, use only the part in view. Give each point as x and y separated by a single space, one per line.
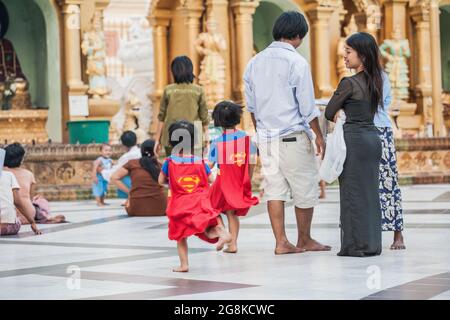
146 197
35 203
10 200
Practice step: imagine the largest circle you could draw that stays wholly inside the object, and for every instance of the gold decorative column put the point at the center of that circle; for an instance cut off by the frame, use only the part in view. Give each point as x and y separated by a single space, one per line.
394 15
421 18
436 76
219 8
193 12
71 11
160 21
319 17
74 85
243 19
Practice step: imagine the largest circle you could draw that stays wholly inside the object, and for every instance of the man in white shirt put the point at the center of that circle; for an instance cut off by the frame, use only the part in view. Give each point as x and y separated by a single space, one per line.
280 97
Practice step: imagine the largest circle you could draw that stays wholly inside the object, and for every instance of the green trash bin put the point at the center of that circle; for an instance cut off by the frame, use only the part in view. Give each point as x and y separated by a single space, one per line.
88 131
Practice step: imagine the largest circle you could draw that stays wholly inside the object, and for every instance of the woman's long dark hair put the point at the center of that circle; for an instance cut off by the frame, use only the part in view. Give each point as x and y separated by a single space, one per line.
369 53
148 160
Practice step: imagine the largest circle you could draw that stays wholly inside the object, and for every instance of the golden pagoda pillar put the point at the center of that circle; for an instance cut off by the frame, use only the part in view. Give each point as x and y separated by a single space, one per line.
160 22
394 15
74 85
422 87
319 17
436 76
72 49
193 12
219 8
243 19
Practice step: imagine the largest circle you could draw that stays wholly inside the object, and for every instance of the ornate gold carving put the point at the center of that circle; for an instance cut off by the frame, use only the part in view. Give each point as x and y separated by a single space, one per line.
210 45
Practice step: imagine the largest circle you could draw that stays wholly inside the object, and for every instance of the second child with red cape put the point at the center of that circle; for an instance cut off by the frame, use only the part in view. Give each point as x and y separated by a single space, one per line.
234 154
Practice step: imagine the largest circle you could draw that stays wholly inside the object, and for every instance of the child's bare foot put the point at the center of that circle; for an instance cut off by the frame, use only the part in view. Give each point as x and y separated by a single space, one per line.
181 268
231 248
287 247
106 204
224 237
322 195
100 204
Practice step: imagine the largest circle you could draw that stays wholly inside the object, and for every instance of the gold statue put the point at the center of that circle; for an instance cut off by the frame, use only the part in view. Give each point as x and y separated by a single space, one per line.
93 46
396 50
210 44
340 64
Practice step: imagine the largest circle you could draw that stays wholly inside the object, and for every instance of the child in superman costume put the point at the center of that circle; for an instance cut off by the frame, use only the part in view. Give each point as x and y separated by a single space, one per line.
189 208
235 156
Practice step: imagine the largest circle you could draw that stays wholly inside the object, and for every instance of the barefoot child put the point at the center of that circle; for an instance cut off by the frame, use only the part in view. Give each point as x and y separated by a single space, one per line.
234 153
189 209
99 184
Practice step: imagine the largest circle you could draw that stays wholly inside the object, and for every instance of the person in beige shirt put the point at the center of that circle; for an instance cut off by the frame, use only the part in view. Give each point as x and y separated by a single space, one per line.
182 100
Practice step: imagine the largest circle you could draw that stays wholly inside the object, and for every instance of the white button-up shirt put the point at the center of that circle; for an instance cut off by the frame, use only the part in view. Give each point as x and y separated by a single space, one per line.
279 91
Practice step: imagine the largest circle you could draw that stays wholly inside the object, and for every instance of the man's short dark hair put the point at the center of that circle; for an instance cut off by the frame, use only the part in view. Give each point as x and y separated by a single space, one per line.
227 114
14 154
128 139
182 70
289 25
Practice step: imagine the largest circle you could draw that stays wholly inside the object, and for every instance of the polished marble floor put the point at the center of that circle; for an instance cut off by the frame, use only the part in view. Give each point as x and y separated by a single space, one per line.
103 254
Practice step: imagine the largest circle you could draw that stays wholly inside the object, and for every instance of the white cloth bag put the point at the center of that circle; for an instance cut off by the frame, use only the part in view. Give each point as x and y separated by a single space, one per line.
333 162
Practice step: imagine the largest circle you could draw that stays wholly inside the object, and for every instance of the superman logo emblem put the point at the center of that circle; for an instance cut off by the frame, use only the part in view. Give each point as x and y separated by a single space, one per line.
189 183
238 158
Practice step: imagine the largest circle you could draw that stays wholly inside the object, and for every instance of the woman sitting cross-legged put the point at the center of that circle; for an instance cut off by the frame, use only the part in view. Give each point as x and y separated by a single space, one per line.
146 196
10 199
34 203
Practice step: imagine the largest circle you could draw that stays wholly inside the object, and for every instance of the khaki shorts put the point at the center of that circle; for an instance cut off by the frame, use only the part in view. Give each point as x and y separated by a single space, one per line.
290 168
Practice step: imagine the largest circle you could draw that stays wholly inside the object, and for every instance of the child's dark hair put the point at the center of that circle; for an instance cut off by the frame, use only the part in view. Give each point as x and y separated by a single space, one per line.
148 160
182 132
182 70
14 154
227 114
289 25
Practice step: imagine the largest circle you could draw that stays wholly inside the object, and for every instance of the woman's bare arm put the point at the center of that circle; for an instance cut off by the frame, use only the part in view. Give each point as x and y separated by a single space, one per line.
117 177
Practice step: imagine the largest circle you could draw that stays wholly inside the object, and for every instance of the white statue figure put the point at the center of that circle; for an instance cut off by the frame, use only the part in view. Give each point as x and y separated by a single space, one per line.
137 54
93 46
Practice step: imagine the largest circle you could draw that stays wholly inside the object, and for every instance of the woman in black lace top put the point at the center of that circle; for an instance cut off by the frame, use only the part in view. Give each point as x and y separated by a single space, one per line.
359 97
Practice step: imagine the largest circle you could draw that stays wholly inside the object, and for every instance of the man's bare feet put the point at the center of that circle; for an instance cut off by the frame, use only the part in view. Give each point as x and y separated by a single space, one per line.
398 243
286 248
312 245
181 269
100 204
231 248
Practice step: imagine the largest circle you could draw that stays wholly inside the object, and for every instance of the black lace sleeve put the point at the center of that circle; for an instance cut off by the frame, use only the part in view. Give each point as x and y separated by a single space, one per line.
342 93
